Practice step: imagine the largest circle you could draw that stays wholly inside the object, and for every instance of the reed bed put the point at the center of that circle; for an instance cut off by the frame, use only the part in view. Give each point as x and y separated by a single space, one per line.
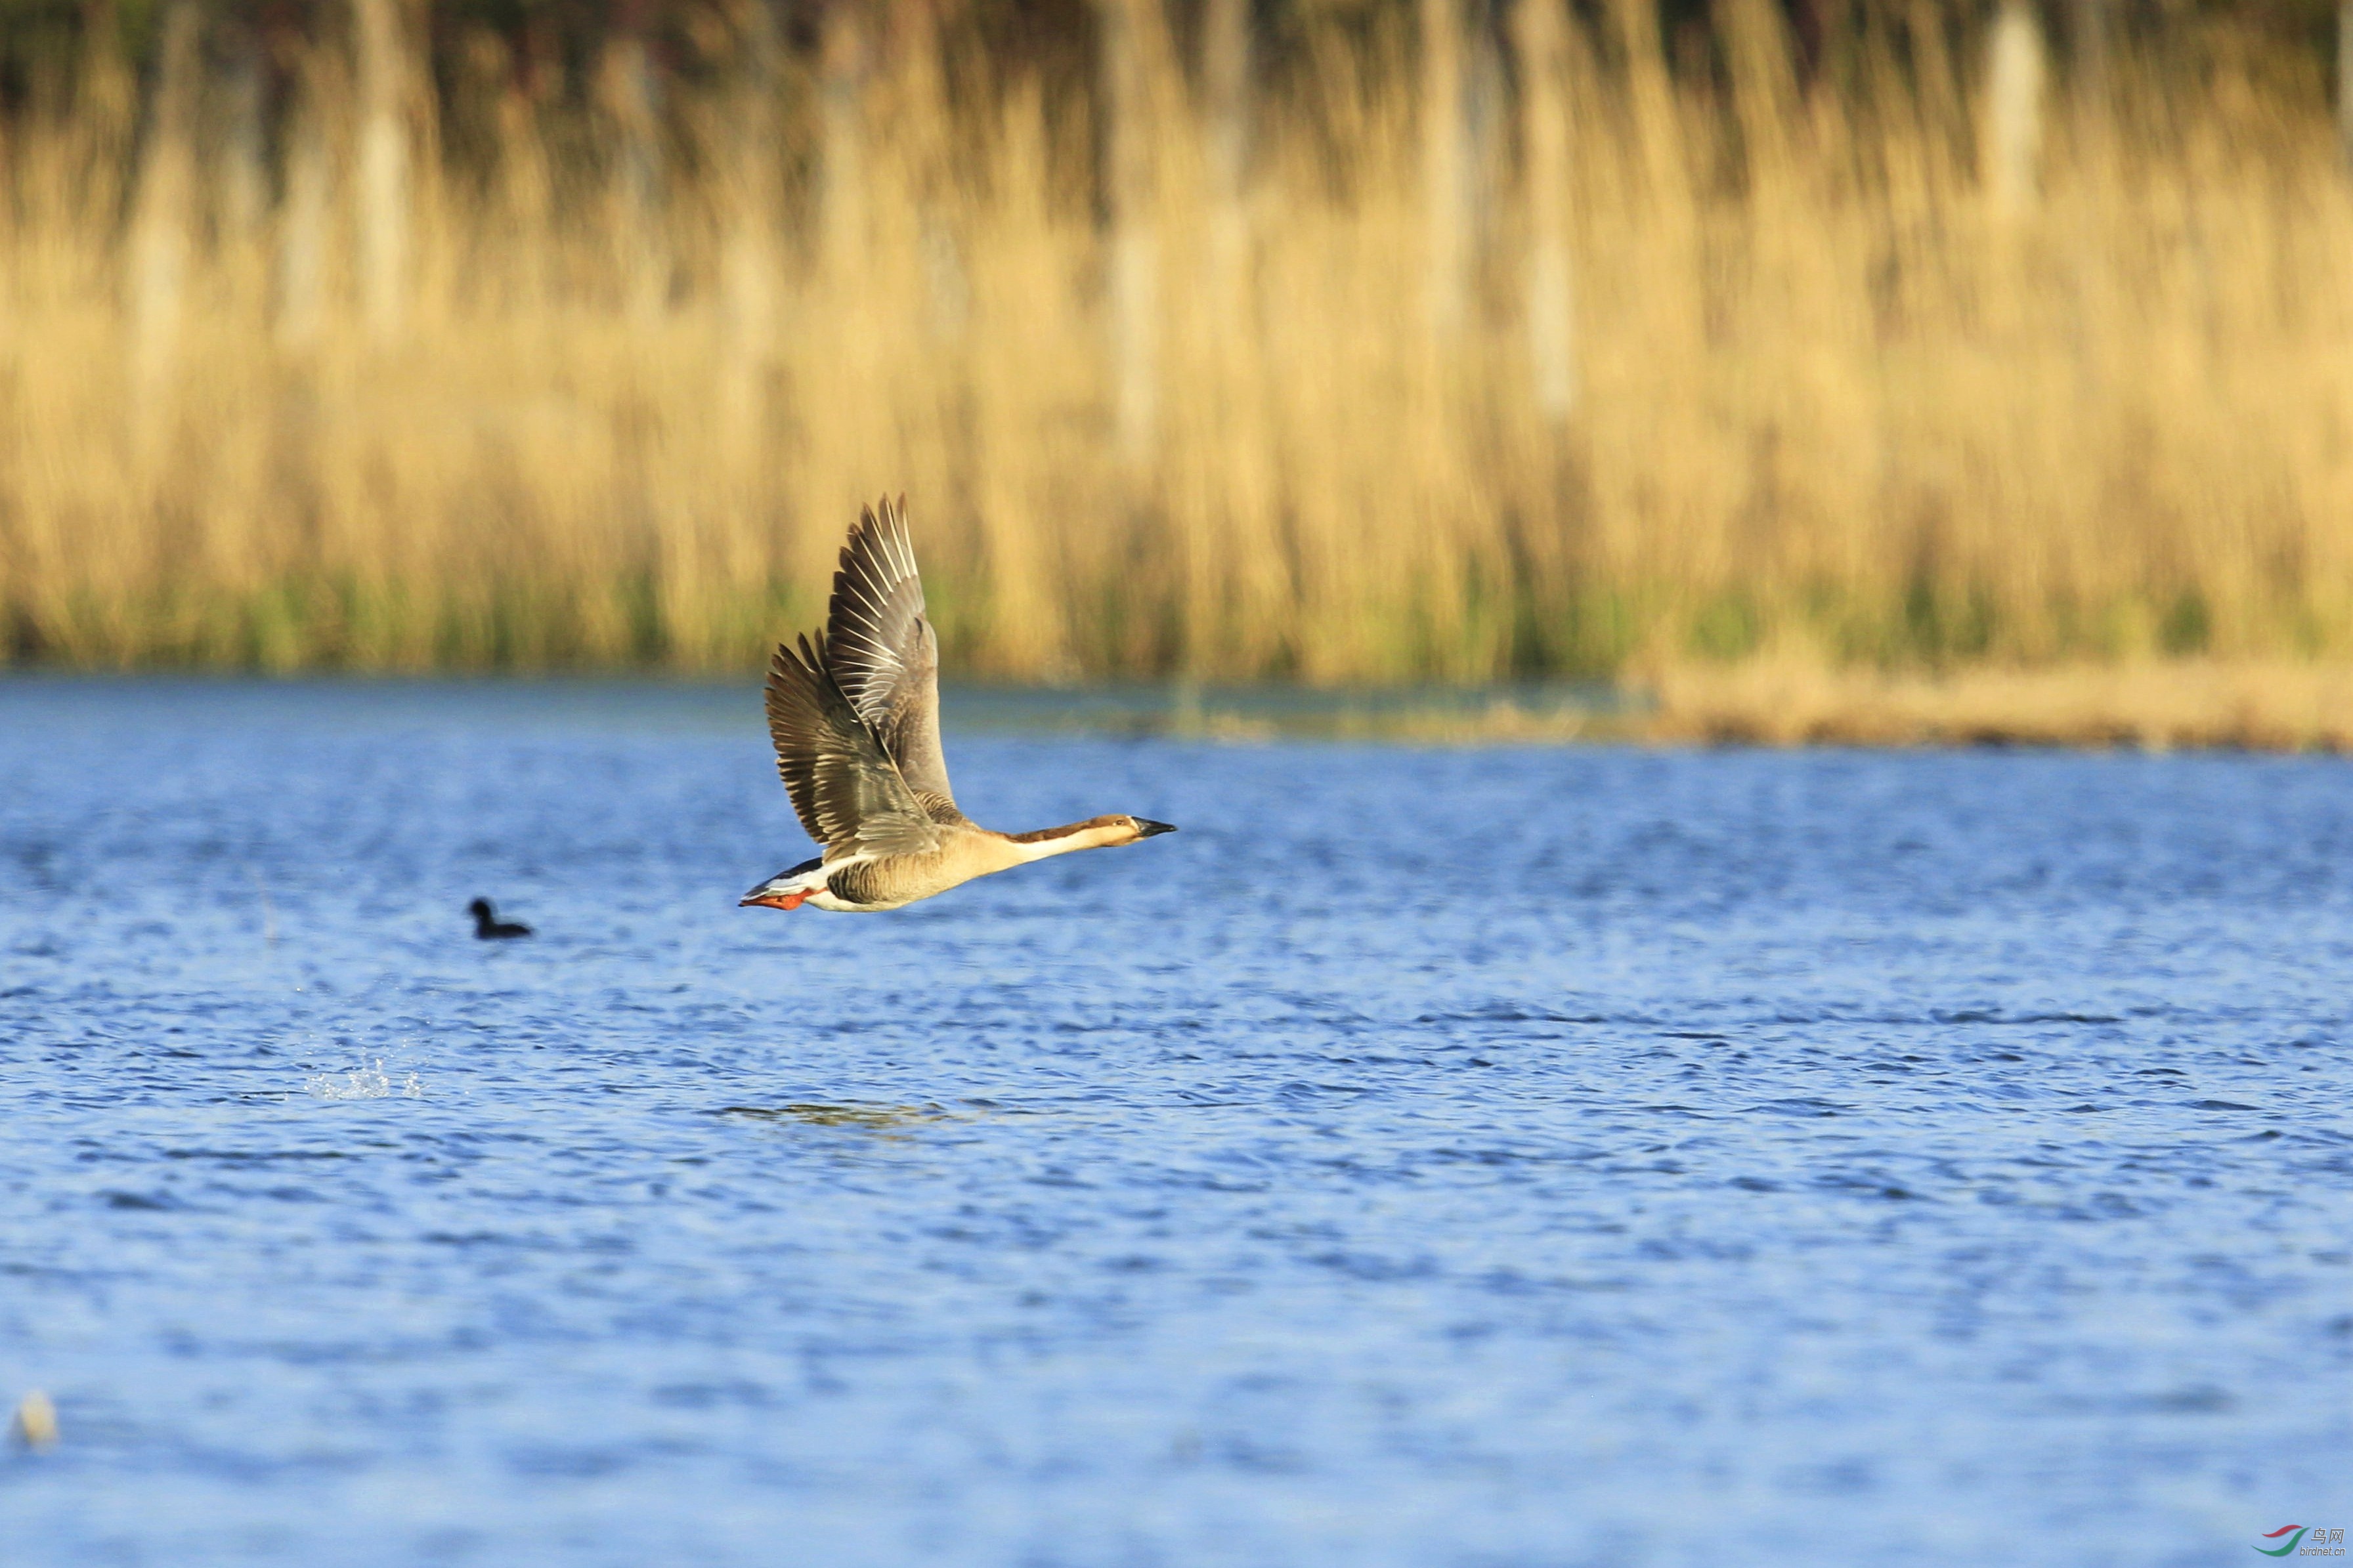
1405 353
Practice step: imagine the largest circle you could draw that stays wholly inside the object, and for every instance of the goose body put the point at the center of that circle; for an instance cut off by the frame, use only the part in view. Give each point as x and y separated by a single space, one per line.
854 715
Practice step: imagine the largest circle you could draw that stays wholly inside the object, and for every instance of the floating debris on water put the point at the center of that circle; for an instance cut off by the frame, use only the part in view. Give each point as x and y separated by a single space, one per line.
36 1425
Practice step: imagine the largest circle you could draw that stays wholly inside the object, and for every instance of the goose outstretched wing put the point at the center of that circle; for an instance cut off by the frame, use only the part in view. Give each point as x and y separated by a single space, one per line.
881 649
846 789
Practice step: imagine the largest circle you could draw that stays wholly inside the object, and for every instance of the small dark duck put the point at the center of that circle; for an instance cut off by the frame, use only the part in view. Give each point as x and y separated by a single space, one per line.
489 927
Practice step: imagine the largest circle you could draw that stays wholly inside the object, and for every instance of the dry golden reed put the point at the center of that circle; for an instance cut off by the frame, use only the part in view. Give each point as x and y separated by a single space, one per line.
1386 370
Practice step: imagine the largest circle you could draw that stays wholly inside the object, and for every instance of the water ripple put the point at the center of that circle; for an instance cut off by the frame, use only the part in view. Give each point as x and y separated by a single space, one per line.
1754 1154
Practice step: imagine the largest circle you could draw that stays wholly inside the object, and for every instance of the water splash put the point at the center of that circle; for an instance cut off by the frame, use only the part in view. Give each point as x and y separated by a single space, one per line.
371 1082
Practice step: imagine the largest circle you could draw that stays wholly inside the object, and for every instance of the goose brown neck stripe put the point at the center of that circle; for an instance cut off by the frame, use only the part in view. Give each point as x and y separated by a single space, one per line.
1048 835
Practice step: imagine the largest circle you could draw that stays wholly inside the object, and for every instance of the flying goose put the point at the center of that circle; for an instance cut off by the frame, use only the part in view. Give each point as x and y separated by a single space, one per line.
855 716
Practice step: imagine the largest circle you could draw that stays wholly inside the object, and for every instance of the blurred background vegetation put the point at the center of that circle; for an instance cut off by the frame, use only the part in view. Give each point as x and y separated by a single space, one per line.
1338 341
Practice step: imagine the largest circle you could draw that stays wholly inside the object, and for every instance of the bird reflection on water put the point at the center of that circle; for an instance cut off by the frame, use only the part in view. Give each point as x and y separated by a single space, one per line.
867 1117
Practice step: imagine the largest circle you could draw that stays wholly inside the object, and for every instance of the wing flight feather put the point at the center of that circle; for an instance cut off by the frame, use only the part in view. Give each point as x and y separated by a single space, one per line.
882 651
845 788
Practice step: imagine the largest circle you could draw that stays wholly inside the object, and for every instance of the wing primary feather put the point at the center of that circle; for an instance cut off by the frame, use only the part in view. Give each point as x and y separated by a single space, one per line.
882 652
794 725
846 789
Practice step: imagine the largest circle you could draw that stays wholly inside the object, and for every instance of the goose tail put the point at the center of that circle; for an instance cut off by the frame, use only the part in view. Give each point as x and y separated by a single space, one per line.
787 890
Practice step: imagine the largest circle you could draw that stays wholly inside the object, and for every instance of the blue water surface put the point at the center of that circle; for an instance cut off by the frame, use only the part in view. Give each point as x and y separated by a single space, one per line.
1473 1157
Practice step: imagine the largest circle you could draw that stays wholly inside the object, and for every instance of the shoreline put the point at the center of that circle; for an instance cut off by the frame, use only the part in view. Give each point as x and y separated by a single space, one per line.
2154 706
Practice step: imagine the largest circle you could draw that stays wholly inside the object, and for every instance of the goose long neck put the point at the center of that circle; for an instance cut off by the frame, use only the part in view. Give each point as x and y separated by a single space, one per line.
1093 833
